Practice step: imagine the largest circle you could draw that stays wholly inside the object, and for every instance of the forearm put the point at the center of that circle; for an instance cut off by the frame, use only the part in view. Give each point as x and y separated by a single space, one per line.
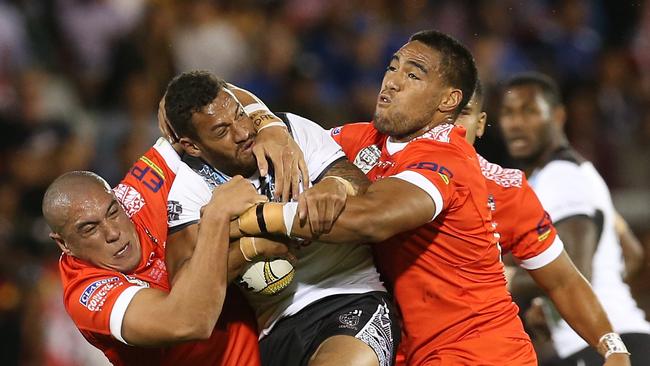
199 289
573 298
580 308
369 218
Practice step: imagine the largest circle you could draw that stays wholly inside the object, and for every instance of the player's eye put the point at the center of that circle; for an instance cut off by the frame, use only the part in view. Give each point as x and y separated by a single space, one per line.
413 76
88 229
391 68
113 212
221 132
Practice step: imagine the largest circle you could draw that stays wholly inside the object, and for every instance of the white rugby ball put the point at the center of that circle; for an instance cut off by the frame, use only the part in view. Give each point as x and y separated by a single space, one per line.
267 277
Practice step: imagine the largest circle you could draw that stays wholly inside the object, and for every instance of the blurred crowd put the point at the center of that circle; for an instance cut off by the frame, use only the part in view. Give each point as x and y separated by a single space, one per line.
80 81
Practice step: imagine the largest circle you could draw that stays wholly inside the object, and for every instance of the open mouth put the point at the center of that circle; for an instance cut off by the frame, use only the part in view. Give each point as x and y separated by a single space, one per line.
123 249
383 99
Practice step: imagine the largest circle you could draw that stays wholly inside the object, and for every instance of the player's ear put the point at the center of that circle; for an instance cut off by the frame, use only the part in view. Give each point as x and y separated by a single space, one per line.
190 147
60 242
450 101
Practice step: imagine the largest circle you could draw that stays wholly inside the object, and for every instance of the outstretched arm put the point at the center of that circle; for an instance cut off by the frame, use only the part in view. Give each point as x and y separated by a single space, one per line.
388 207
575 300
191 309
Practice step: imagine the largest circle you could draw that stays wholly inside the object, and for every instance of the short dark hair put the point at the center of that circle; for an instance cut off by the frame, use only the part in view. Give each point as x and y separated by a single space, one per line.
548 86
186 94
457 64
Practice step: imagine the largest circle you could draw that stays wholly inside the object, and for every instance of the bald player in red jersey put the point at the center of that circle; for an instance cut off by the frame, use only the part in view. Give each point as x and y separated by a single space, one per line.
100 295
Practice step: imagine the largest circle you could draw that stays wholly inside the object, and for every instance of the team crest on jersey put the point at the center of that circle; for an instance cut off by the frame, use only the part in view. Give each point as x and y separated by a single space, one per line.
367 158
130 199
350 320
174 211
136 281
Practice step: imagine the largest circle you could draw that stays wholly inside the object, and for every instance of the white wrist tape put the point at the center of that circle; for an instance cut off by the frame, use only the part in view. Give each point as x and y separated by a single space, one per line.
272 124
612 343
289 212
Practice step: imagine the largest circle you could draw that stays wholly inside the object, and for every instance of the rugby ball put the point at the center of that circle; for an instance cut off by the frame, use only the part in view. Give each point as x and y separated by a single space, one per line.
267 277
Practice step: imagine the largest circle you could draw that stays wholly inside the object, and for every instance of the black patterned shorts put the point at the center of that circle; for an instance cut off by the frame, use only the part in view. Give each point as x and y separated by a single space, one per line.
369 317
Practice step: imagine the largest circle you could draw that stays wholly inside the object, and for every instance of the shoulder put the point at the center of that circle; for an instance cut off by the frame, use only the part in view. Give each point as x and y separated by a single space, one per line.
502 177
560 173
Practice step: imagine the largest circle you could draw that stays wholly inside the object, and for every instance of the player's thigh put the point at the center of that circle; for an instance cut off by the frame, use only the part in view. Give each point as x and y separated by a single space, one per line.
343 350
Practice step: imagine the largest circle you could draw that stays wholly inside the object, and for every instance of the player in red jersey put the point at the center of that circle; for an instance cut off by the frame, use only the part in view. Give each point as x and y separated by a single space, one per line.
427 207
115 280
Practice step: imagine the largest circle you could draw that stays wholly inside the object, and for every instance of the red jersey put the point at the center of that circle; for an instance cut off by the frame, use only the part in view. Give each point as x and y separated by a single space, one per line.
524 227
96 299
446 275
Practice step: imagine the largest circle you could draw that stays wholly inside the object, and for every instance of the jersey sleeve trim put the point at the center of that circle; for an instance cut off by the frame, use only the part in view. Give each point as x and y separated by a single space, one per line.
426 185
168 153
119 309
545 257
179 227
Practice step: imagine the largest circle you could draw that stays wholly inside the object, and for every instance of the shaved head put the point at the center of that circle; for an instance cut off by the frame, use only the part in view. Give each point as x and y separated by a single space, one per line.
88 222
66 189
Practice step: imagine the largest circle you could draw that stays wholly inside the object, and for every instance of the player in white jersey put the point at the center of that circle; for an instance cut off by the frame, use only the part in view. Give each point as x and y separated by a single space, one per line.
336 310
579 203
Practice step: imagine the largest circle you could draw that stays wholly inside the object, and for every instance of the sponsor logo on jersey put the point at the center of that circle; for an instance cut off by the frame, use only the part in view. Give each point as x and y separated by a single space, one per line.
444 172
153 166
544 227
336 131
90 289
130 199
350 320
367 158
174 211
492 205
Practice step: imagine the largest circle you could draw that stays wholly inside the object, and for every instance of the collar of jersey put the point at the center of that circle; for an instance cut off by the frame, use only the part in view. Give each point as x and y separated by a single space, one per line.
393 147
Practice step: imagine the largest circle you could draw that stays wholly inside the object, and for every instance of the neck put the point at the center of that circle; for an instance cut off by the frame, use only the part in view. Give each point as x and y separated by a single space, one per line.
410 136
542 159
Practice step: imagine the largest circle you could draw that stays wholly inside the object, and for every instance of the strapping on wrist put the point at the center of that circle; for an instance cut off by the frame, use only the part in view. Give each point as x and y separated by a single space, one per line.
611 343
349 188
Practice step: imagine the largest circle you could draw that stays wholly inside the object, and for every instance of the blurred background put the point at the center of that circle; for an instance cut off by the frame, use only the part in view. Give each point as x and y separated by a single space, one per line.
80 81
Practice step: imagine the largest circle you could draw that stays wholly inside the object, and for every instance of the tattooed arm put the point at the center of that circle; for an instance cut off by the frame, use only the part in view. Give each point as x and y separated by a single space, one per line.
322 204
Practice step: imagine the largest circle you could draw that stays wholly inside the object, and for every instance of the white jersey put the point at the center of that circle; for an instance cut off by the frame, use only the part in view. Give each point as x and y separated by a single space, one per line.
322 269
568 187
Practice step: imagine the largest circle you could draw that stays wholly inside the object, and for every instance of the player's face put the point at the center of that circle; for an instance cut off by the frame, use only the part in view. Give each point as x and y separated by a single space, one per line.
99 231
226 136
473 119
410 92
525 120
